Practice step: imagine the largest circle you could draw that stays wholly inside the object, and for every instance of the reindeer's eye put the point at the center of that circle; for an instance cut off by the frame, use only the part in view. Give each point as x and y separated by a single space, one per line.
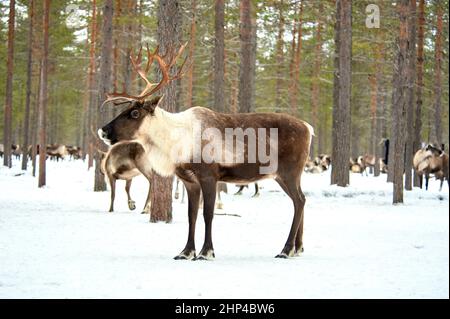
135 114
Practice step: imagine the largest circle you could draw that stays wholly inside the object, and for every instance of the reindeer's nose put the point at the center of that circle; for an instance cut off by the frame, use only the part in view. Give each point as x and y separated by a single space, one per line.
102 134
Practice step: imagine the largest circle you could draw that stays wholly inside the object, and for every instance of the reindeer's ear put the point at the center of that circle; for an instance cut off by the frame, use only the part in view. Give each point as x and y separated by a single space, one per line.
153 103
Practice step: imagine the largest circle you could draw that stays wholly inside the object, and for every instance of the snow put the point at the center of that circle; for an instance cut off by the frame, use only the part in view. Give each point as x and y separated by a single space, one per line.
60 242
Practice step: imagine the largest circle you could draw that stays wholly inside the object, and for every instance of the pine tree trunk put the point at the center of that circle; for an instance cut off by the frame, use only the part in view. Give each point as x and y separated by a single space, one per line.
409 151
279 57
246 66
342 94
190 75
400 100
296 65
315 85
169 33
43 98
35 123
219 56
26 120
7 129
373 112
437 77
91 84
104 85
419 86
380 109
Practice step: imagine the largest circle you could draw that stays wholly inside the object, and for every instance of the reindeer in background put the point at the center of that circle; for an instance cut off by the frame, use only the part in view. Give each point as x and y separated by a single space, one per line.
431 160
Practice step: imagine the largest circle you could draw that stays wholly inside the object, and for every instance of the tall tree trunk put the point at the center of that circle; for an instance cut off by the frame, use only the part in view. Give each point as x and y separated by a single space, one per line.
219 57
247 65
104 84
279 57
128 41
437 90
373 112
401 99
169 33
85 114
419 87
315 84
190 75
35 123
7 129
91 84
342 94
43 98
26 120
296 65
379 115
410 94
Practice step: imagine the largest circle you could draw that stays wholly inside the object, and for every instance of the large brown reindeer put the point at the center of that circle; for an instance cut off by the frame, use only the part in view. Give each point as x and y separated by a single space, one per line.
176 139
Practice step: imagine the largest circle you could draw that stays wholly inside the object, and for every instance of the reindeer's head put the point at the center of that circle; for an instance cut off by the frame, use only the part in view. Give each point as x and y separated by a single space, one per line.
434 150
127 124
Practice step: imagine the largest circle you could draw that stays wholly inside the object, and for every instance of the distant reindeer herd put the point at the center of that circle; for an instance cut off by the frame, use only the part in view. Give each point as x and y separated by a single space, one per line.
53 151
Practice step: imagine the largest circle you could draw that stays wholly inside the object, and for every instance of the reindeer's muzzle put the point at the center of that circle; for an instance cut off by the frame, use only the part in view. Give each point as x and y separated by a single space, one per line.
104 136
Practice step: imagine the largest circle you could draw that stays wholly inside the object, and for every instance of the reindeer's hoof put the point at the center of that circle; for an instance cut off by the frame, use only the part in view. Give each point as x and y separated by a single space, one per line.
298 252
286 253
145 212
208 255
186 255
177 195
256 195
131 204
110 211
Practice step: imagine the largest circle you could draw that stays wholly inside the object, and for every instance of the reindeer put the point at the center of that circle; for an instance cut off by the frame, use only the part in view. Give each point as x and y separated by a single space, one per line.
242 186
383 166
431 160
176 139
16 150
126 160
320 164
57 151
74 152
221 188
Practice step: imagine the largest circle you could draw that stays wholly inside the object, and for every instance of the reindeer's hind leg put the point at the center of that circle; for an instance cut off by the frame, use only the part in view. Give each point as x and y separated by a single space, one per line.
256 194
427 178
146 209
112 183
294 243
209 190
239 192
219 203
177 191
131 203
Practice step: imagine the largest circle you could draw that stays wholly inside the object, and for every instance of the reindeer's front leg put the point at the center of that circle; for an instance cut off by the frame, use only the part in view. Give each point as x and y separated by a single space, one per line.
209 190
193 191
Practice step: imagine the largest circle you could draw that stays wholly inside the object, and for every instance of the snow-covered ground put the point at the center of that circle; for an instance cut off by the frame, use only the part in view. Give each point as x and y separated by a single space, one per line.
59 242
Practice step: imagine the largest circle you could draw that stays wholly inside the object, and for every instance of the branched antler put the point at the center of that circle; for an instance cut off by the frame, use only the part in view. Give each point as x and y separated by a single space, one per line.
150 88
